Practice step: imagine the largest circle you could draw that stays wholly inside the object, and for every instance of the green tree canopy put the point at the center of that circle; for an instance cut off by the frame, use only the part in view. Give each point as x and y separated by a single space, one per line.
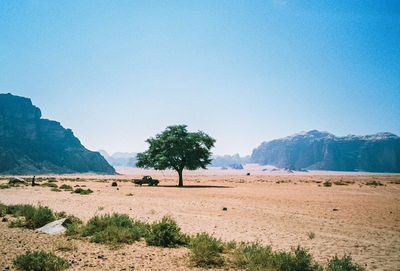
176 148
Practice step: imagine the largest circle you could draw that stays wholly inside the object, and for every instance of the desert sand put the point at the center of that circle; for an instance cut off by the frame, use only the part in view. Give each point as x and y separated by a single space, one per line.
276 209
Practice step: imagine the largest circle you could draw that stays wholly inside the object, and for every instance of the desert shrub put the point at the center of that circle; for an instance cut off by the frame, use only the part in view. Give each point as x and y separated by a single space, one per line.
205 251
83 191
52 180
113 229
74 229
252 256
72 218
129 195
165 233
66 187
53 185
374 183
41 217
298 259
228 246
34 217
311 235
327 184
4 186
342 264
19 223
115 236
65 245
341 183
20 209
40 261
56 190
3 209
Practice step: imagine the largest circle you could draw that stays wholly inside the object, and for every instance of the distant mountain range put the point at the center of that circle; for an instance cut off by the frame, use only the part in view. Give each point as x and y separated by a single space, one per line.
232 161
32 145
128 159
118 159
324 151
313 150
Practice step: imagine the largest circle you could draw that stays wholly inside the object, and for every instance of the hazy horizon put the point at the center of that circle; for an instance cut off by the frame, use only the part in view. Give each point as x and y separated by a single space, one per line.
117 73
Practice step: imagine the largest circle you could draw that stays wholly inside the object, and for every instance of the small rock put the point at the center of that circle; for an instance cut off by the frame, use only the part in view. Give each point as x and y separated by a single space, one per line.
334 209
7 267
114 184
4 219
224 209
248 174
100 257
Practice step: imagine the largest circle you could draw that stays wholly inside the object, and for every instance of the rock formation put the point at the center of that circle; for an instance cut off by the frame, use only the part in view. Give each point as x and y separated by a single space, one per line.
324 151
32 145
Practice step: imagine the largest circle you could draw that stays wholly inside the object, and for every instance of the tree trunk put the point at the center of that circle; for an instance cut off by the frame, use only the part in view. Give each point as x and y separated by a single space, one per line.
180 178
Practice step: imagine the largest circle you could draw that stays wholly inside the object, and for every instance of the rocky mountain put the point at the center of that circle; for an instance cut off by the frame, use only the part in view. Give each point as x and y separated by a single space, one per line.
32 145
324 151
233 161
125 159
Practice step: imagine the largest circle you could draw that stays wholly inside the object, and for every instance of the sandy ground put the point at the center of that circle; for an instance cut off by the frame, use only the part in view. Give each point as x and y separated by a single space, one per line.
280 210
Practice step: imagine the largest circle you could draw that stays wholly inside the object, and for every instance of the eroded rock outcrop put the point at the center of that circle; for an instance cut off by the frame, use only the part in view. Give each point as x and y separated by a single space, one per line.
325 151
32 145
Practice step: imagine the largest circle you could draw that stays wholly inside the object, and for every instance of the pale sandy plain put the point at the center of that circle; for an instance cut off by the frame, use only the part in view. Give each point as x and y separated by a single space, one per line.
271 207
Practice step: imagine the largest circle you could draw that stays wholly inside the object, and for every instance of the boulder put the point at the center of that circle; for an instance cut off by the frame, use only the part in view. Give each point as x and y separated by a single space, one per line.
16 180
58 226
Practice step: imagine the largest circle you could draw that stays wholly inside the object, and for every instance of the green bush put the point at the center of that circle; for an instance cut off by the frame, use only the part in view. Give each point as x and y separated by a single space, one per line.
341 183
74 229
4 186
83 191
327 184
205 251
52 180
48 184
165 233
342 264
374 183
114 236
66 187
40 261
34 217
20 210
252 256
298 259
40 217
3 209
112 229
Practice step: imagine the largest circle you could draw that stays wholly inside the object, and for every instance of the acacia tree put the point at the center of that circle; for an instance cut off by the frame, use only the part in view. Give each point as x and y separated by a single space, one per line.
176 148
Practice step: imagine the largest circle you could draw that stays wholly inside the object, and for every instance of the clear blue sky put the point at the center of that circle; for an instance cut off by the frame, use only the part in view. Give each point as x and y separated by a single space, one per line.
118 72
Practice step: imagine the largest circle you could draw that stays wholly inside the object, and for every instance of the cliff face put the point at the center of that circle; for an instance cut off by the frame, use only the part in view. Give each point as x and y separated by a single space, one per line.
32 145
324 151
